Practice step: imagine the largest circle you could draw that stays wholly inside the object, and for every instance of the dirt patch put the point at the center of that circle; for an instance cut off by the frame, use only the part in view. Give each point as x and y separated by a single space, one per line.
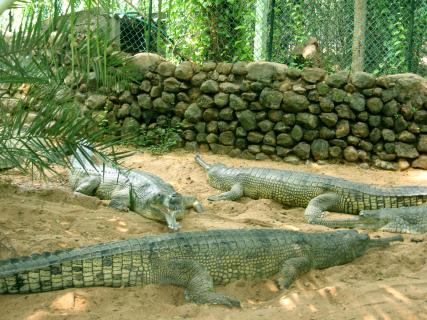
35 217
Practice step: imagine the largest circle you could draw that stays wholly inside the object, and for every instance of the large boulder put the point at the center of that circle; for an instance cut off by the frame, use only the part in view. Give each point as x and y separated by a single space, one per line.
265 71
143 62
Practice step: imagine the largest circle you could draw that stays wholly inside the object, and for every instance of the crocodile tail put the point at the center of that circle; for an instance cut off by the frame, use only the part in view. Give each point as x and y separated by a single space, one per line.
381 242
201 162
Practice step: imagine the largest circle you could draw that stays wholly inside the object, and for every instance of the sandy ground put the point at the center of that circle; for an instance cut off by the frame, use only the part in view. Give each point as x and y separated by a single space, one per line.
38 216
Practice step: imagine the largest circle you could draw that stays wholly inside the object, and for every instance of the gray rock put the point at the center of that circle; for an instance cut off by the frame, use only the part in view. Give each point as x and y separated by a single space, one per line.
204 101
404 150
329 119
255 137
227 138
281 127
344 112
265 125
209 86
307 120
208 66
198 78
275 115
335 152
171 85
193 113
363 80
302 150
96 101
261 156
420 162
326 133
224 67
145 86
385 165
212 138
360 129
144 62
338 95
135 111
229 87
422 143
357 102
166 69
297 133
391 108
337 80
388 135
291 159
247 119
161 106
226 114
293 102
267 149
249 96
420 116
320 149
350 154
130 126
240 68
254 148
322 88
270 98
313 75
407 137
123 111
237 103
261 71
343 129
269 139
293 73
285 140
184 71
326 104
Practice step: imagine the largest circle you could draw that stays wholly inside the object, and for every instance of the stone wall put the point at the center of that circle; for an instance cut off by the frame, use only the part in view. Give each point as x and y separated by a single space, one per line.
264 110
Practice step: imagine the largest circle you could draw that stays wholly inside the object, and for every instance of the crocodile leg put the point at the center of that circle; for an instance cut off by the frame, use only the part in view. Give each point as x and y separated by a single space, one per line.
291 270
235 193
120 198
315 212
196 279
87 185
191 202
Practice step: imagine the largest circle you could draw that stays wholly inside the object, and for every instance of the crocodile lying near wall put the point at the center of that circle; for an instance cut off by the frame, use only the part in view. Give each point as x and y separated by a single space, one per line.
139 191
194 260
317 193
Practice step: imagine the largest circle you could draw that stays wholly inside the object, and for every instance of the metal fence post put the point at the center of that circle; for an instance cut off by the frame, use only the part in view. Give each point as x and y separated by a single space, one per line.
410 56
150 16
270 39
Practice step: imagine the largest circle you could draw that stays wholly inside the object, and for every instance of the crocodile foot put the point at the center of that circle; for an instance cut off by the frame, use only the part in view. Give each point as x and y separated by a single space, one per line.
213 298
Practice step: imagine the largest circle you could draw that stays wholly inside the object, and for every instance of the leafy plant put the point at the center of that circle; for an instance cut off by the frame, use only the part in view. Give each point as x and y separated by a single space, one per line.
159 140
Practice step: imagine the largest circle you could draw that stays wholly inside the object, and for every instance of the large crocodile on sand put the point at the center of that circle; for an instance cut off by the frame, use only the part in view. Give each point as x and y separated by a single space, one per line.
319 193
139 191
194 260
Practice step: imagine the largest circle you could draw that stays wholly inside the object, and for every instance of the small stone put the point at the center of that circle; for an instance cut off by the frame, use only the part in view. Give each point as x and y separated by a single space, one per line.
270 98
193 113
254 148
403 164
291 159
344 112
285 140
297 133
237 103
226 114
308 120
343 129
420 162
363 80
302 150
350 154
337 80
385 165
329 119
210 114
209 86
255 137
240 68
391 108
357 102
198 79
293 102
320 149
247 119
267 149
404 150
171 85
227 138
265 125
360 129
313 75
184 71
326 104
166 69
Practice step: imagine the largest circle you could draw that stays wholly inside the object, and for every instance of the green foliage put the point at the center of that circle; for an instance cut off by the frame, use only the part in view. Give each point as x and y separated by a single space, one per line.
220 30
159 140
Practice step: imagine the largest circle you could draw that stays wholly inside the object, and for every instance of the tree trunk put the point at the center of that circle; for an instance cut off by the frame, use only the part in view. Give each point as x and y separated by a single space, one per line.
357 63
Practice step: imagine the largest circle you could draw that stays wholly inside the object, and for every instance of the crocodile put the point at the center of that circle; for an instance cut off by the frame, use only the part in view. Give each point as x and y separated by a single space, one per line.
315 192
194 260
137 190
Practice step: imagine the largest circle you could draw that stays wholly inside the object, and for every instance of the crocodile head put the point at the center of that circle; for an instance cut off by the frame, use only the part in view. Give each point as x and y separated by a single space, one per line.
166 207
374 219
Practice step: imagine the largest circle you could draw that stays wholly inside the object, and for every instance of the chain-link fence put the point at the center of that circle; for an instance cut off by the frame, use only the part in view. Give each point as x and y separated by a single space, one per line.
281 31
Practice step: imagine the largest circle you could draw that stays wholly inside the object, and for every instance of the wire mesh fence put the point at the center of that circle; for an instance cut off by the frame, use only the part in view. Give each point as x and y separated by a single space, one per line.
279 30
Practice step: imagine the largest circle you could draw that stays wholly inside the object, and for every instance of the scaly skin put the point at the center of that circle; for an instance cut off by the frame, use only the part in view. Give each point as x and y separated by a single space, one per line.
139 191
317 193
194 260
